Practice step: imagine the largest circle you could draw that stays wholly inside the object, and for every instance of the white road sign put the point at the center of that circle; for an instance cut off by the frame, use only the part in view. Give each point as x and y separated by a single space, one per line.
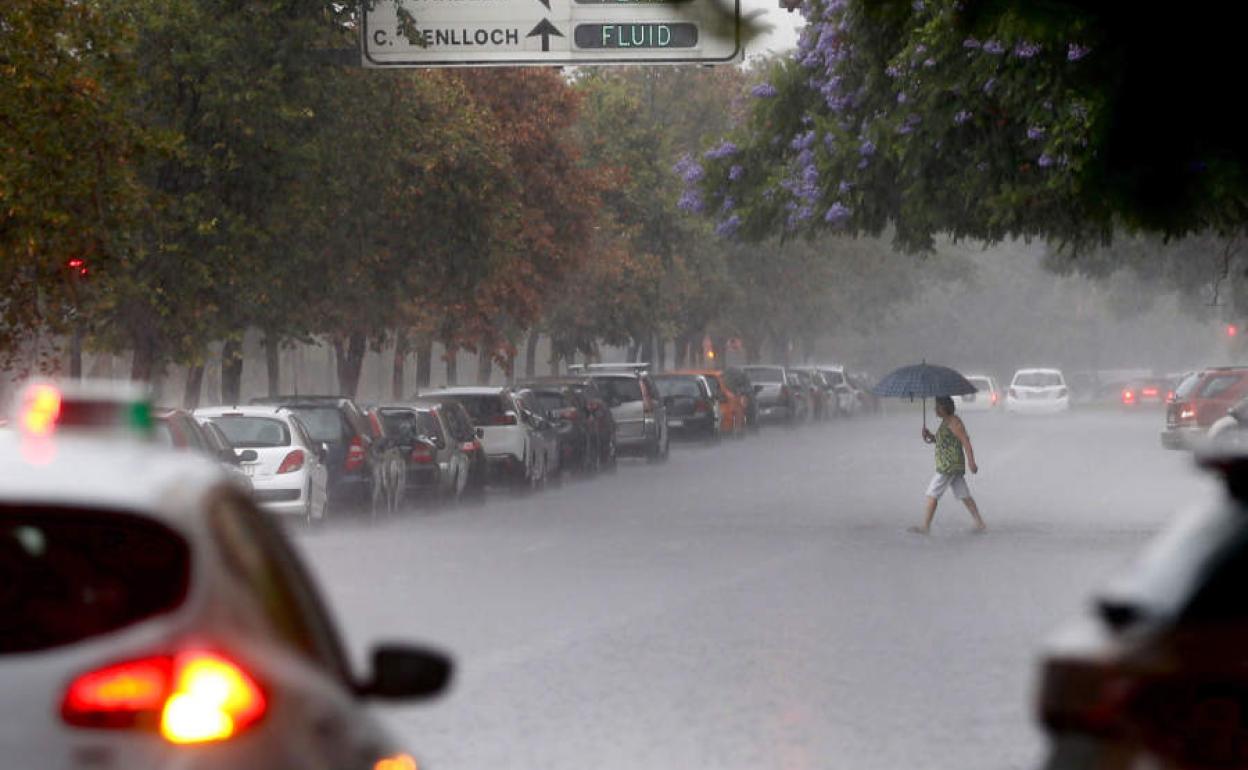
550 32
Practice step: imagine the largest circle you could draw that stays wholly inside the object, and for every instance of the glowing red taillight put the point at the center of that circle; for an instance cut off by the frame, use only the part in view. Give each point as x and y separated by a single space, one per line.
1150 392
355 453
994 398
469 446
421 454
1128 397
193 697
292 462
506 418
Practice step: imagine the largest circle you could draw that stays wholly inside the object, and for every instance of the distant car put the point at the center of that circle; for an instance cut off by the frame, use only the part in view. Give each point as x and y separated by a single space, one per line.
778 400
1155 677
639 414
1037 391
565 407
692 409
357 461
984 399
1200 401
515 449
1146 392
733 406
155 618
547 430
599 421
739 383
816 397
285 465
438 467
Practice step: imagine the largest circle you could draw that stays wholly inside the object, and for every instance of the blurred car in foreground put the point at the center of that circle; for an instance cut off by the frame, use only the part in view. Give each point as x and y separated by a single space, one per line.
1230 432
984 399
286 467
1199 402
1037 391
152 617
1156 677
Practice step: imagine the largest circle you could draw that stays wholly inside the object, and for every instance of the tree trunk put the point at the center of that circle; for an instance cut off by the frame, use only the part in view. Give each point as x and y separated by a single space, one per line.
194 386
350 362
662 349
231 372
509 367
485 366
424 361
647 349
400 357
530 354
143 362
753 349
75 351
452 366
272 363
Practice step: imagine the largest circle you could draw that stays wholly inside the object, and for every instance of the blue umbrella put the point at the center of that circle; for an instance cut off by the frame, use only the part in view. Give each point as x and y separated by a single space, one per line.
923 381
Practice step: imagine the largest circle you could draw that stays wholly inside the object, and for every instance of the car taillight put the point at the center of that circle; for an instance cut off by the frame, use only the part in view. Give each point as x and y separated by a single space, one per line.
1150 392
506 418
1128 397
1170 397
1083 697
1187 413
194 697
994 398
355 453
469 446
292 462
572 414
421 454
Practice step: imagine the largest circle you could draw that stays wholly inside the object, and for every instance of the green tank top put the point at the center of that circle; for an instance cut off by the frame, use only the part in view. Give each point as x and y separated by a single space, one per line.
949 457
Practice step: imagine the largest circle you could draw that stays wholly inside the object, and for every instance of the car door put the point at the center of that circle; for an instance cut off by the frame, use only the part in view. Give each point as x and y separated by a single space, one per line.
318 472
322 724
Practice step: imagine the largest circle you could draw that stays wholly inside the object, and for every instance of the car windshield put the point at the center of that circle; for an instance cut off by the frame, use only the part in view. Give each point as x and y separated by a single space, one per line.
1038 380
678 387
620 390
765 375
70 575
247 432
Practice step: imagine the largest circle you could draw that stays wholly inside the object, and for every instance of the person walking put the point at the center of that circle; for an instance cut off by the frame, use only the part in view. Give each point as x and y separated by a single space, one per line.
951 439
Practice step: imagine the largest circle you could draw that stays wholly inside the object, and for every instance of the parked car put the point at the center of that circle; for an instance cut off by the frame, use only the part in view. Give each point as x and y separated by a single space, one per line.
286 465
155 618
733 406
358 461
1150 391
569 412
639 414
868 401
178 429
739 383
438 467
516 450
1200 401
598 419
221 449
1154 677
1037 391
777 399
985 398
692 409
548 434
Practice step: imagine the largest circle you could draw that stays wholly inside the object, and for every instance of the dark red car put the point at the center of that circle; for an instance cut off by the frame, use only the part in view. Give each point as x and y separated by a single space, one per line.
1199 401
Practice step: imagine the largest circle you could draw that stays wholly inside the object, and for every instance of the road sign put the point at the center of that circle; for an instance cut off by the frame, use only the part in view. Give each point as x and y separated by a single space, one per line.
449 33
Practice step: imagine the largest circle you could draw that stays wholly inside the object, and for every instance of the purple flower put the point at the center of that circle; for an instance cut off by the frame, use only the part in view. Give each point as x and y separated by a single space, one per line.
867 148
893 71
763 91
730 203
829 142
929 62
728 227
1075 52
1035 133
690 200
901 97
724 150
688 169
735 173
864 163
992 82
993 47
918 6
961 117
971 42
837 214
844 187
920 49
1044 161
1027 49
803 141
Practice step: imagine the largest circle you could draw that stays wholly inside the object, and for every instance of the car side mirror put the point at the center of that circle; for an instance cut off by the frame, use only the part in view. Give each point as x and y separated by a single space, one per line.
403 671
758 388
248 456
322 451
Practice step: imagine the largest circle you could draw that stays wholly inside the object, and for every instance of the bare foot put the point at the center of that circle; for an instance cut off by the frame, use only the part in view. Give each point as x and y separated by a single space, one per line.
918 530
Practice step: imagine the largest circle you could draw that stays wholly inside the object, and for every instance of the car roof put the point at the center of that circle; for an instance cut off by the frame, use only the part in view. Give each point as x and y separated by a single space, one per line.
463 391
1038 371
105 473
251 410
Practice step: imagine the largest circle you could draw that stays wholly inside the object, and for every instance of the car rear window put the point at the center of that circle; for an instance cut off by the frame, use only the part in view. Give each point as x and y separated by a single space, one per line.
982 384
1038 380
325 423
765 375
713 383
246 432
484 410
68 575
834 378
1218 384
620 390
548 400
686 387
1187 386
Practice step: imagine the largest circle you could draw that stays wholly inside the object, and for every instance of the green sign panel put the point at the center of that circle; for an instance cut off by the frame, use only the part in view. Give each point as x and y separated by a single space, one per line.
600 36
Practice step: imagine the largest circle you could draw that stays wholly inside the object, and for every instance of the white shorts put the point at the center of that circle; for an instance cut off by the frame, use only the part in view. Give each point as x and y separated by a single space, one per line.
943 481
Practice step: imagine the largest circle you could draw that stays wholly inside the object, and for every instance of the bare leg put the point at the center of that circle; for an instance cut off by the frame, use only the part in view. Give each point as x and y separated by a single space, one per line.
929 513
980 526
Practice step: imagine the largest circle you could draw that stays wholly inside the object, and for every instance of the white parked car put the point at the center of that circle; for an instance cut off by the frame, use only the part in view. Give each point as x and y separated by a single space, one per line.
986 398
521 446
286 467
155 618
1037 391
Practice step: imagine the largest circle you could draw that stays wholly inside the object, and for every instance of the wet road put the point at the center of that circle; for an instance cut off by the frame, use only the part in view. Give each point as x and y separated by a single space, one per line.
760 604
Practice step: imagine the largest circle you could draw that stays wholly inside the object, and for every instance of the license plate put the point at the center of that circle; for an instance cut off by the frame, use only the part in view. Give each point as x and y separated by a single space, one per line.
676 423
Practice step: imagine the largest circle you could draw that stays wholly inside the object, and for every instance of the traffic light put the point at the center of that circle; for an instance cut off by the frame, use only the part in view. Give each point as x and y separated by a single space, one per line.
77 265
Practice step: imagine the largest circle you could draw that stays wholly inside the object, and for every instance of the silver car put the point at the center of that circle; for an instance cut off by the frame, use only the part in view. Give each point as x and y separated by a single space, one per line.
640 417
